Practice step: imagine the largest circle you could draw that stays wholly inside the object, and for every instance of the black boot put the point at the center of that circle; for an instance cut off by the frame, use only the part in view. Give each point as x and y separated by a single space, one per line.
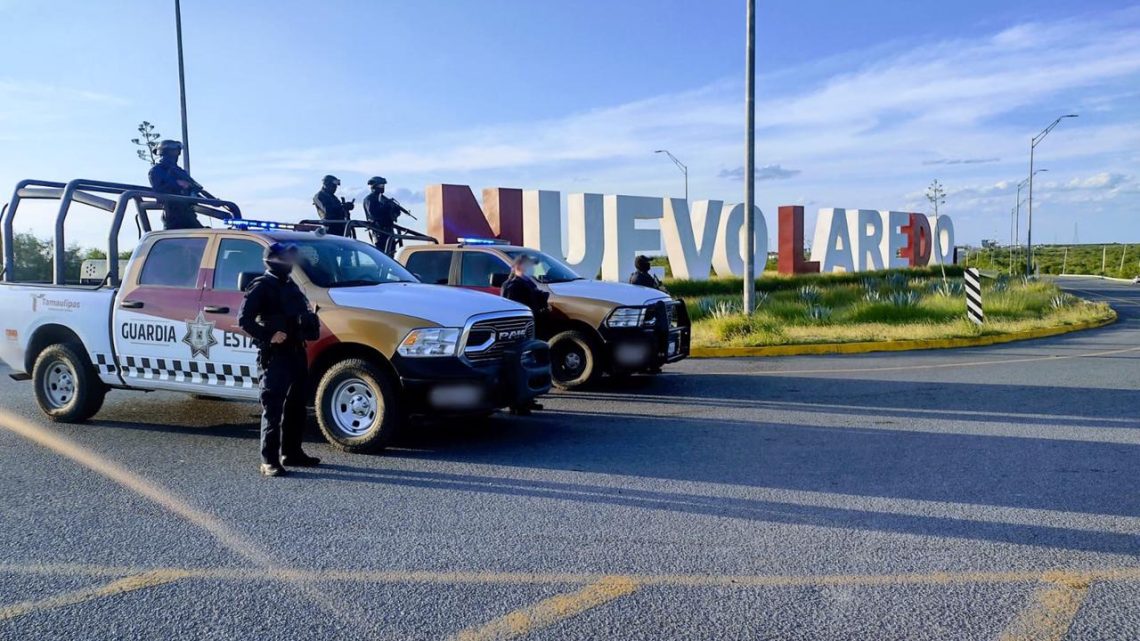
300 459
273 469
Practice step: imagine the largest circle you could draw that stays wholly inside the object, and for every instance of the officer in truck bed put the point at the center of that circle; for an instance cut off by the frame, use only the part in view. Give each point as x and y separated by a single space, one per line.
276 314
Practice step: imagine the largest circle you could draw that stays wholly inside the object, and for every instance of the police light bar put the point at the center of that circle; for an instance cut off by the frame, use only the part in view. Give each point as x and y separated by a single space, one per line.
269 225
483 241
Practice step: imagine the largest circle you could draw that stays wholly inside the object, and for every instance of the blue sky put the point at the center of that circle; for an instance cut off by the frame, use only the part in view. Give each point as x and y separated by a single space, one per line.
860 104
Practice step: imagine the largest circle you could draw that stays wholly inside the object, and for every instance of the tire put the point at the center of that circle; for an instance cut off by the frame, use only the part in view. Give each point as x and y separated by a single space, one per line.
66 385
574 360
358 406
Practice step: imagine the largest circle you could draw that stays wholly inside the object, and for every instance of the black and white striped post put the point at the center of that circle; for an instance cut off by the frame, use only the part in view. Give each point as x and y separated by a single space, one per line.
974 296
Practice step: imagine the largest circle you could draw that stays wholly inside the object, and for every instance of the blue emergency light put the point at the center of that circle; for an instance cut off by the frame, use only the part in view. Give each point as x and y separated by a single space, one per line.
483 241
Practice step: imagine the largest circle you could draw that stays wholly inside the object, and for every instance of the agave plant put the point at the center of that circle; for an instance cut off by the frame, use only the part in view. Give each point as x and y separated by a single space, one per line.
724 309
872 296
903 299
810 294
818 313
897 280
871 284
949 289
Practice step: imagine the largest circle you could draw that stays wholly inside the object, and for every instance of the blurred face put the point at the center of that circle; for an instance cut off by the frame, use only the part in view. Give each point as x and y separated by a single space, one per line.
524 268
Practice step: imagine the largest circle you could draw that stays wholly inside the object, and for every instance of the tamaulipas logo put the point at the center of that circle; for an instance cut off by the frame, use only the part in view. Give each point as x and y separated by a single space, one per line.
41 302
603 232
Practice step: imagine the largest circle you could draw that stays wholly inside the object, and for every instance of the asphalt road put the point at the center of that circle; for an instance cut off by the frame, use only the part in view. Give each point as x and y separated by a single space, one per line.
988 493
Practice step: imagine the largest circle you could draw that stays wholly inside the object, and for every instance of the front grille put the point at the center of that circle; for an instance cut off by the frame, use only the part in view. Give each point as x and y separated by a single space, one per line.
489 338
672 307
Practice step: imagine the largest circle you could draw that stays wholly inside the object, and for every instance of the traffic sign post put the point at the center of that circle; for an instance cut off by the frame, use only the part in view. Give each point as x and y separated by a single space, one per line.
974 296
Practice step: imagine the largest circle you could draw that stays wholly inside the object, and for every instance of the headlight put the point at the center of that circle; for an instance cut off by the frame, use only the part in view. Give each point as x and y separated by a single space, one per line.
430 341
626 317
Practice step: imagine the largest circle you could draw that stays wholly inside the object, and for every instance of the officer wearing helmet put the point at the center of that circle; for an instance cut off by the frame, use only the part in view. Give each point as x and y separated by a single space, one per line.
166 177
277 316
642 276
331 209
382 212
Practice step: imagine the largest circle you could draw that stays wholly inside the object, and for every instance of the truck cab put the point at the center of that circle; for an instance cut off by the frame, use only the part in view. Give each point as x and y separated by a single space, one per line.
389 347
594 327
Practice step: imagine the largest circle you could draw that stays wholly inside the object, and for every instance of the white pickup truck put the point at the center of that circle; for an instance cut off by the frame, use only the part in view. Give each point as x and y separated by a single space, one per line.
389 346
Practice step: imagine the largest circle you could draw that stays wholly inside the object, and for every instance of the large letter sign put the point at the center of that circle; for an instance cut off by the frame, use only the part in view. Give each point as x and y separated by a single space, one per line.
690 238
601 233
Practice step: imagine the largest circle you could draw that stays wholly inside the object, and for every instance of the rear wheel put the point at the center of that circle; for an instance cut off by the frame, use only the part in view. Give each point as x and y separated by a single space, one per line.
358 408
573 360
67 387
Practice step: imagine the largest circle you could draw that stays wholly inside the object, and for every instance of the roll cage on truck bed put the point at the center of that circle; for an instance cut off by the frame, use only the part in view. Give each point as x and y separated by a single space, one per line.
389 346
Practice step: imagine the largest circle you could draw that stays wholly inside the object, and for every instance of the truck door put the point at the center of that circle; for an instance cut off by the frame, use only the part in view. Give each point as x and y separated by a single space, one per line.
477 270
431 266
159 342
234 359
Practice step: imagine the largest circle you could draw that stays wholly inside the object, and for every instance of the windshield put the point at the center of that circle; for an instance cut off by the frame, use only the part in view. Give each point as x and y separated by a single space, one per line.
348 263
547 269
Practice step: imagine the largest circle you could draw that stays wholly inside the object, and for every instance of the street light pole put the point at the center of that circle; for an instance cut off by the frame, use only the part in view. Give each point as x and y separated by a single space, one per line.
681 166
182 86
1029 224
749 161
1017 208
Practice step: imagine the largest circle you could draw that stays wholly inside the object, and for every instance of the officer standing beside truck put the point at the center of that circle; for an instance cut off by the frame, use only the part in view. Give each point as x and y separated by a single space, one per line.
642 276
331 209
276 314
166 177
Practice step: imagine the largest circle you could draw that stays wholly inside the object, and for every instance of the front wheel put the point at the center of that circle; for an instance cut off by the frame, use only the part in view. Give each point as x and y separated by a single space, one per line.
358 407
67 388
573 360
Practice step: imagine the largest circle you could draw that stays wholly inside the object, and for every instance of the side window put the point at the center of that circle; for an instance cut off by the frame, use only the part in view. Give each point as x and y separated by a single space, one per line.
432 267
173 262
236 256
477 269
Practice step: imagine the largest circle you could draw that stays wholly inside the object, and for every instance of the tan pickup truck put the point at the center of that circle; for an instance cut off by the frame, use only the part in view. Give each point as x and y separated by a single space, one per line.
595 327
389 346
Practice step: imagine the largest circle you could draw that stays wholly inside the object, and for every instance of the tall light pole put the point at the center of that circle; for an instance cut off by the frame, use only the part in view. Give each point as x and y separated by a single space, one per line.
1029 224
1017 208
182 86
750 161
681 166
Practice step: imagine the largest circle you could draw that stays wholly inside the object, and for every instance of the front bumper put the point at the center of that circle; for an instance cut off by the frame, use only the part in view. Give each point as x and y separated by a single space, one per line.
637 349
453 385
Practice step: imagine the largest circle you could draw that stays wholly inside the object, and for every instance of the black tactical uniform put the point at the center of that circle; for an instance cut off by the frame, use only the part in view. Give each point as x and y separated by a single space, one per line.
167 177
274 303
382 212
330 208
641 275
523 289
645 279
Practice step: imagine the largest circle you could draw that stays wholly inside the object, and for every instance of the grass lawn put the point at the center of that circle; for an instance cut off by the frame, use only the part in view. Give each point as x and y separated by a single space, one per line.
885 306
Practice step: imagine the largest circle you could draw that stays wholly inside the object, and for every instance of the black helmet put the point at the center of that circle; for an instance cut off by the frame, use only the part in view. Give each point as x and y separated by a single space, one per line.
330 180
377 180
642 263
278 251
168 145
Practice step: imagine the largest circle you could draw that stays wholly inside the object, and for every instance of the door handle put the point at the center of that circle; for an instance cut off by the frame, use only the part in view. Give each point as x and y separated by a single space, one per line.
216 309
131 304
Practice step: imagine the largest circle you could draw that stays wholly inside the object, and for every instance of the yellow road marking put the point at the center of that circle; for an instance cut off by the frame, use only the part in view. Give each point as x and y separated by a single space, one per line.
153 492
114 588
549 611
253 574
1051 613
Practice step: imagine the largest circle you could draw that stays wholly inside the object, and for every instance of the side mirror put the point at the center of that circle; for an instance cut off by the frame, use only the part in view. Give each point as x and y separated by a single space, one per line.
498 279
246 279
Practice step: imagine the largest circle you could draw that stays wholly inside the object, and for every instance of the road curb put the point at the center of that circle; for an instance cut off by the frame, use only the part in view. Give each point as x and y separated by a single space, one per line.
894 346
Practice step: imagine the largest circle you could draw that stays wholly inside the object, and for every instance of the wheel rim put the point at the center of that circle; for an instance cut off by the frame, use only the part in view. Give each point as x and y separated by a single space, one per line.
59 384
569 360
356 407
